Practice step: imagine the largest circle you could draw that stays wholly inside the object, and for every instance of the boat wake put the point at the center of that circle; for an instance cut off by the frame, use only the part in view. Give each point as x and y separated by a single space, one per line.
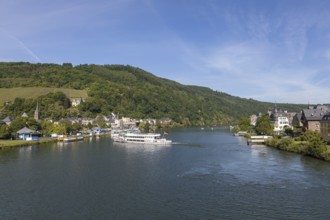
186 144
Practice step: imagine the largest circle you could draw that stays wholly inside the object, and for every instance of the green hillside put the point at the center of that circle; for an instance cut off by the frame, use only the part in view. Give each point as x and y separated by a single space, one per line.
9 94
133 92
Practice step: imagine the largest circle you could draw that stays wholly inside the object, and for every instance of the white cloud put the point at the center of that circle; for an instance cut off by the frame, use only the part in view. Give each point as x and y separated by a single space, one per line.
238 59
270 62
262 71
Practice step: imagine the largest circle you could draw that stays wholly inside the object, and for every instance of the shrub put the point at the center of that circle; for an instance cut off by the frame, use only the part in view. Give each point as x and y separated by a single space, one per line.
297 139
272 142
285 144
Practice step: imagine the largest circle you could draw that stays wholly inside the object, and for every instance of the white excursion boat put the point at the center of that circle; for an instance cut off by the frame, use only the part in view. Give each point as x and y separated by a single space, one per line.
115 133
148 138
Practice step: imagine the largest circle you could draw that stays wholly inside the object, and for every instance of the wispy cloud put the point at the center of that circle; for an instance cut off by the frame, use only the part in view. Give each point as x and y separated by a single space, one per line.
30 52
20 44
269 61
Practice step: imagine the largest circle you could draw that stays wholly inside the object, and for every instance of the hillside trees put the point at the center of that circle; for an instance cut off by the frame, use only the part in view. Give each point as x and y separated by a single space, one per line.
52 105
128 91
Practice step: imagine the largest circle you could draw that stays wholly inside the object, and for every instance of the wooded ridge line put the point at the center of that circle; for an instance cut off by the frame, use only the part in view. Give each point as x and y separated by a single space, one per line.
125 90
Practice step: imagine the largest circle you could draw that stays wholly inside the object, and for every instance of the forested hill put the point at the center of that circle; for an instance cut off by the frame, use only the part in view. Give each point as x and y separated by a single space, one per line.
133 92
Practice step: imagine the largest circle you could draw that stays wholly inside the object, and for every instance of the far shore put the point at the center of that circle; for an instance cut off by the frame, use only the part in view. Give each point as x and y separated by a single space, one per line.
7 144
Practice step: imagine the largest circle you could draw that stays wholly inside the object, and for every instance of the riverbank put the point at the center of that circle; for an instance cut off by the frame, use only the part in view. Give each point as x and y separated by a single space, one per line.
7 144
314 148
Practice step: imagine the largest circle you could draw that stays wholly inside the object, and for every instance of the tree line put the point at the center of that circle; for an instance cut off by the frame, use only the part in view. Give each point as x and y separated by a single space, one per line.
127 91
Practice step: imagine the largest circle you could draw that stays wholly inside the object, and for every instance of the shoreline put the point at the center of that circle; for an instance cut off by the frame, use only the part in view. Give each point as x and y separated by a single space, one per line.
8 144
301 148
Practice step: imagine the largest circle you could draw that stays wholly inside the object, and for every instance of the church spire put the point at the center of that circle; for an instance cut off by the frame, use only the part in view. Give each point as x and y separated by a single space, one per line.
37 113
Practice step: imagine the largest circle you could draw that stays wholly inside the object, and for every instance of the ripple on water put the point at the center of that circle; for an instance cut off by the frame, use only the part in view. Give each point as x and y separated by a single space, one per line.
197 172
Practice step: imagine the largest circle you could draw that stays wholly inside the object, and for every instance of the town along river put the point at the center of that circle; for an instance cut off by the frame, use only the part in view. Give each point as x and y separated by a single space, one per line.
205 174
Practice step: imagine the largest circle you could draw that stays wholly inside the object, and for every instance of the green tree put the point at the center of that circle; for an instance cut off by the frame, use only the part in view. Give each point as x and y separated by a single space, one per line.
144 126
244 124
89 125
4 131
32 124
47 127
59 129
18 124
101 121
75 127
288 131
158 124
285 143
316 146
55 111
263 125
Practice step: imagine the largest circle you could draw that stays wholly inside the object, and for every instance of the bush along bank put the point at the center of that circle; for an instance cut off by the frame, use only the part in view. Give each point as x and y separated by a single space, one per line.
309 143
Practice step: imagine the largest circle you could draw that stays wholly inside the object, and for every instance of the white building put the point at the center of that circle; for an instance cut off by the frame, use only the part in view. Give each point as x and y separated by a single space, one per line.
281 123
253 120
123 123
76 101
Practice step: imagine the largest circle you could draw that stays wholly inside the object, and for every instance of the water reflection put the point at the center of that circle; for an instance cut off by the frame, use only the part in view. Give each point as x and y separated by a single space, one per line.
241 140
25 152
138 148
67 144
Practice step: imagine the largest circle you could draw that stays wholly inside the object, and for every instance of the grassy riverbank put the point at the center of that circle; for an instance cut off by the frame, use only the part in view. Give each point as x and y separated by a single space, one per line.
6 144
315 148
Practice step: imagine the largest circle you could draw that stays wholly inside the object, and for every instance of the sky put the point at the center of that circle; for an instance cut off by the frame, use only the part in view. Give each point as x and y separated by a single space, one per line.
267 50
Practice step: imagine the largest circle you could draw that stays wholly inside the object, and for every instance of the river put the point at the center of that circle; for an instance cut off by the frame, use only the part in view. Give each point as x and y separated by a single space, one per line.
204 174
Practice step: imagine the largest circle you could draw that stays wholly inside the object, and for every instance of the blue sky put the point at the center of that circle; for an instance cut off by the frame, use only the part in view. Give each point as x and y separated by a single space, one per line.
268 50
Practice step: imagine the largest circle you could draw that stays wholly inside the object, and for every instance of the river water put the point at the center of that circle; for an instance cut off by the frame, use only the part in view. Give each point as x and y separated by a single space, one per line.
205 174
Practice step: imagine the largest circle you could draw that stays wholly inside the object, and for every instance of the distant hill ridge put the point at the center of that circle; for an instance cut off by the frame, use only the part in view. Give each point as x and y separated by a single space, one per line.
133 92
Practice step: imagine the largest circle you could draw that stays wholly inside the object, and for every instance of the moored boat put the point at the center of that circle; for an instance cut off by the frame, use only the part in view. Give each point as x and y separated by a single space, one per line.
147 138
71 138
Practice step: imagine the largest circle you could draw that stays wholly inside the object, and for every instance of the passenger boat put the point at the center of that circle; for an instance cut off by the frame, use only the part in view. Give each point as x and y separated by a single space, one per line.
148 138
71 138
115 133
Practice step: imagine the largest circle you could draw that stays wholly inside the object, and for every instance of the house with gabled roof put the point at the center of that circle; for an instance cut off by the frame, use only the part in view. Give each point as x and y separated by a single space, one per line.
27 134
296 121
8 119
86 121
280 119
311 117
